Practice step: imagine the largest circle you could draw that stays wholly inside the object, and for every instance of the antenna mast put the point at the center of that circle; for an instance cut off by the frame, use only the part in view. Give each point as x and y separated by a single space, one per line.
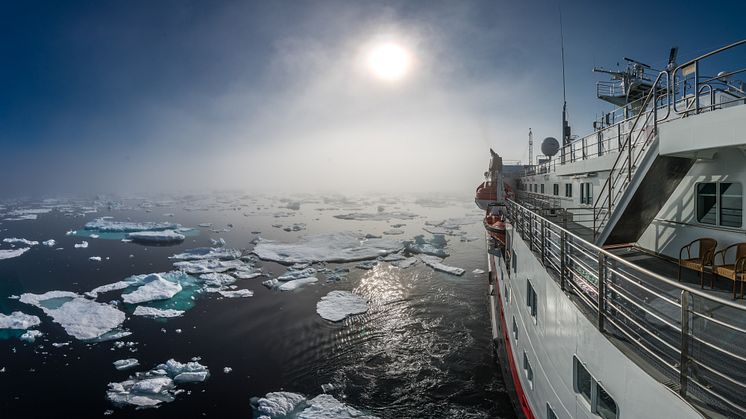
565 125
530 147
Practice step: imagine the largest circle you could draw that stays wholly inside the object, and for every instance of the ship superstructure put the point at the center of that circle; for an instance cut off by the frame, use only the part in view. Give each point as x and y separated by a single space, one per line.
599 308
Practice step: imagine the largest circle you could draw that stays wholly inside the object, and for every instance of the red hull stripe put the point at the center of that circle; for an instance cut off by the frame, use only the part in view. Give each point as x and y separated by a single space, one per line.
522 400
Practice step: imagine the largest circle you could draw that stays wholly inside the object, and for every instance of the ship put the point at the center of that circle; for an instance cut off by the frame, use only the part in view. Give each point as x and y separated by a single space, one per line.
617 260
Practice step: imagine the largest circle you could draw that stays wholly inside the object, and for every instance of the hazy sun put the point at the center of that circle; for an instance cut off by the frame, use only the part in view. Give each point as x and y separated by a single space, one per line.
389 61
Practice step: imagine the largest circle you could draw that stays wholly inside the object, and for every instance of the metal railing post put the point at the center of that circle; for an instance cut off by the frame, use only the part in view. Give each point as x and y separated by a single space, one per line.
601 290
543 242
696 87
684 361
563 238
531 230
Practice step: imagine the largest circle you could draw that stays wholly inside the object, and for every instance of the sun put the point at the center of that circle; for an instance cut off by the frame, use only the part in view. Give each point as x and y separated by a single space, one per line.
389 61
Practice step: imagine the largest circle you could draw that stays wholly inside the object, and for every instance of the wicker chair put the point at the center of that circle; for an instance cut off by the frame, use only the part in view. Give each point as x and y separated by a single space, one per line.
737 270
704 257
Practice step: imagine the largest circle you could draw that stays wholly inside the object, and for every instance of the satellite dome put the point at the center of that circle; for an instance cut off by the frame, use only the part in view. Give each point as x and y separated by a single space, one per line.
550 146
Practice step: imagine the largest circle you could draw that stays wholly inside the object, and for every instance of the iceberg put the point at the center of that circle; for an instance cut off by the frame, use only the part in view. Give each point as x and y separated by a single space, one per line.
433 247
367 265
162 236
328 247
49 243
18 320
217 280
17 240
237 293
156 312
80 317
338 305
154 287
12 253
106 224
477 272
81 245
31 335
296 283
393 232
124 364
201 253
286 405
436 263
95 258
326 406
279 405
151 388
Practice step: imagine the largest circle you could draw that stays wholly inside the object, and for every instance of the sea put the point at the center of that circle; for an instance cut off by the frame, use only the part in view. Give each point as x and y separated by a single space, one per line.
423 349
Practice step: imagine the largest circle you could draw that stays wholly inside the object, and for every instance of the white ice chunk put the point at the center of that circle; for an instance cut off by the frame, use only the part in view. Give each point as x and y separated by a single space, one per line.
124 364
154 287
108 225
338 305
31 335
200 253
18 320
80 317
17 240
49 243
434 247
325 406
296 283
328 247
405 263
95 258
209 265
237 293
12 253
297 274
156 312
436 263
477 272
279 405
164 236
217 280
81 245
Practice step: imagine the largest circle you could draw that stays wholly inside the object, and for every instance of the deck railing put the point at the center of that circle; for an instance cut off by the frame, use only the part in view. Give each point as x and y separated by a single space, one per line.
694 340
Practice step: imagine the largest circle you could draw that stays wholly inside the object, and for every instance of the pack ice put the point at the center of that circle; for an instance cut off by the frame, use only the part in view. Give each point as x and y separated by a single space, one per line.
106 224
80 317
162 236
154 287
338 305
327 247
18 320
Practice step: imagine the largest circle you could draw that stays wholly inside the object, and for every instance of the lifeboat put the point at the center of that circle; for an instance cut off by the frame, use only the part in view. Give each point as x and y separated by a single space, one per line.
486 195
494 223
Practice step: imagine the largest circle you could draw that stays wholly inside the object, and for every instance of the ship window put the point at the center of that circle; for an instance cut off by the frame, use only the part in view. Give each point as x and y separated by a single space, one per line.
515 330
542 188
550 412
507 293
528 370
731 204
707 203
568 190
586 194
556 189
583 380
531 299
605 405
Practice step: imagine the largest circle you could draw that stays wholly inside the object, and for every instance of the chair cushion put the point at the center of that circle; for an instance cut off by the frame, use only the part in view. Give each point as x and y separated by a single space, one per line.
694 263
726 271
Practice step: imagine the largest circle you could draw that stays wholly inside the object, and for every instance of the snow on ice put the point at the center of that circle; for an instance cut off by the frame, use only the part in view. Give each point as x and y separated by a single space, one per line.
338 305
156 312
18 320
155 287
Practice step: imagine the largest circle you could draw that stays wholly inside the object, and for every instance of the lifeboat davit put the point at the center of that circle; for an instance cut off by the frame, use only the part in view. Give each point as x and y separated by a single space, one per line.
494 223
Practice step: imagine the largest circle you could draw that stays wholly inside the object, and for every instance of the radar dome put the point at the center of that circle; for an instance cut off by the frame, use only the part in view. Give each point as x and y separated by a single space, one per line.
550 146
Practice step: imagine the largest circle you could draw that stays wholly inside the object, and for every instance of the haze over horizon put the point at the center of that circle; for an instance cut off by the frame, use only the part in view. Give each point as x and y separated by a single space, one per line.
277 96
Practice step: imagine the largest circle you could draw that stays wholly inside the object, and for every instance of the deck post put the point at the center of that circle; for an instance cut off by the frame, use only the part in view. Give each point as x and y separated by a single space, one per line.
531 230
543 241
563 238
601 290
684 361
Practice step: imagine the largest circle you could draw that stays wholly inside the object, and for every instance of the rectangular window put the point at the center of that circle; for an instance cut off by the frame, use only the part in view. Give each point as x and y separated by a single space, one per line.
600 402
556 189
542 188
720 204
528 370
568 190
531 299
605 405
586 194
550 412
515 330
583 381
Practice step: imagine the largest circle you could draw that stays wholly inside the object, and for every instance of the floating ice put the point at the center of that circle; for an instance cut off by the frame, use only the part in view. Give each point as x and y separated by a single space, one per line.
393 232
209 265
434 247
154 287
296 283
201 253
405 263
163 236
436 263
81 318
326 406
367 265
338 305
296 274
328 247
12 253
217 242
106 224
18 320
49 243
286 405
124 364
95 258
380 216
156 312
217 280
246 274
477 272
17 240
237 293
227 370
279 405
82 245
151 388
31 335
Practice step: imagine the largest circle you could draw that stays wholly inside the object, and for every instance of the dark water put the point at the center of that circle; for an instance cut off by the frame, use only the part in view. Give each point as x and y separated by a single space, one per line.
422 350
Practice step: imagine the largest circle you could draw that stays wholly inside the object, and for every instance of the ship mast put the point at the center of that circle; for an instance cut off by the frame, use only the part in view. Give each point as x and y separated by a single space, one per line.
565 125
530 147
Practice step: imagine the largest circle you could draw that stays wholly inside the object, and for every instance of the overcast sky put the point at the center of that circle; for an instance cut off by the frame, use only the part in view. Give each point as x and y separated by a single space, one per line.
104 96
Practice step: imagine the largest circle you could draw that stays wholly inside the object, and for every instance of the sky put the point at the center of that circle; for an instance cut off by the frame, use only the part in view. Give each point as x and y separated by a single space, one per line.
276 96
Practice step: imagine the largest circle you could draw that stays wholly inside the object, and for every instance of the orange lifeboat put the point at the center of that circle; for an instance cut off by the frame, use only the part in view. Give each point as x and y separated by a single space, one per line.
494 223
486 195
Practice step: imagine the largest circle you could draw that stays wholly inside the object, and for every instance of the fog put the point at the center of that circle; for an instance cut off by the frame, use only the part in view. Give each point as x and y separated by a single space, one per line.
295 111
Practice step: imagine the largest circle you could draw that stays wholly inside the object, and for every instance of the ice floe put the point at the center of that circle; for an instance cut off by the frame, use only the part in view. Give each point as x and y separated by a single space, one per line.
18 320
236 293
156 312
201 253
14 240
209 265
338 305
286 405
477 272
435 246
124 364
156 386
296 283
436 263
81 245
163 236
328 247
106 224
31 335
12 253
380 216
80 317
49 243
95 258
155 287
217 280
